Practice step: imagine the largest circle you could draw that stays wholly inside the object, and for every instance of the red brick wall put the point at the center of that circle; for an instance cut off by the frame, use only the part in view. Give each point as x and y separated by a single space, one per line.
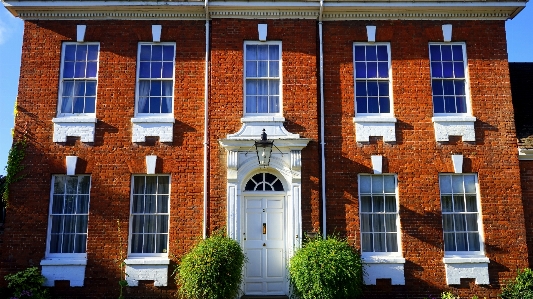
417 158
112 158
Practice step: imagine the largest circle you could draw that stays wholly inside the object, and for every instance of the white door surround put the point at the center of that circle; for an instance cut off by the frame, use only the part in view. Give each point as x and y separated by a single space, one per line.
242 164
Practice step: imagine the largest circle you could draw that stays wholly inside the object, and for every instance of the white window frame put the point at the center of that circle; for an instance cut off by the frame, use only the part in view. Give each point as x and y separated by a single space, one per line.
370 254
389 79
51 215
148 255
158 117
481 251
280 113
62 80
468 101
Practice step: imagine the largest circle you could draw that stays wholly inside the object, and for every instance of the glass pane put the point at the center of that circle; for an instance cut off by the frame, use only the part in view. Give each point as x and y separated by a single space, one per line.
278 186
438 104
359 53
162 204
84 184
471 203
68 244
138 184
81 224
150 223
162 224
168 70
457 52
371 70
366 204
81 53
150 203
361 105
149 243
379 205
460 222
136 243
70 52
57 204
445 183
367 243
166 88
57 224
92 52
457 184
447 205
267 187
436 70
163 184
83 204
360 88
461 104
262 52
262 68
59 184
68 70
390 184
470 183
471 222
251 104
69 225
138 204
378 223
251 52
78 105
434 51
437 87
168 53
70 204
364 184
72 184
462 241
155 88
372 88
446 53
79 69
449 242
91 69
390 223
146 53
80 243
360 70
447 69
458 69
274 104
157 53
249 186
251 69
144 70
383 89
269 178
382 53
383 69
379 243
447 222
55 243
390 204
473 242
151 185
458 203
137 224
262 105
392 242
161 243
366 223
377 184
273 69
156 69
155 105
371 53
166 105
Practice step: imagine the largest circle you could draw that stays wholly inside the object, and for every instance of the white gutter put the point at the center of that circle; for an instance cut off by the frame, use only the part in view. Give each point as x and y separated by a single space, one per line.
206 118
322 143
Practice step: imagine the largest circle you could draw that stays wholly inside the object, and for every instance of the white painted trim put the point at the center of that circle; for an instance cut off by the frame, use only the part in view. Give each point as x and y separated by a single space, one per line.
147 261
465 260
476 268
80 33
72 270
525 154
156 33
377 164
457 161
374 119
447 32
63 262
74 119
151 162
262 29
70 162
371 33
153 119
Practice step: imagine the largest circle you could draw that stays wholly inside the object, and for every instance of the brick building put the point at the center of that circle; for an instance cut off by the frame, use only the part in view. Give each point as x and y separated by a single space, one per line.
392 121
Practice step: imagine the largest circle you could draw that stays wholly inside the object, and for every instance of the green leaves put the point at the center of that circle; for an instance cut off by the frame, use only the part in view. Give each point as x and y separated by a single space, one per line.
28 283
212 269
13 167
326 269
521 287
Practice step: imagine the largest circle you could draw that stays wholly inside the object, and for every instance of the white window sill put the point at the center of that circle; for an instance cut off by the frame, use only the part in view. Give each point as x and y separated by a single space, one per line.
147 268
71 269
468 266
75 119
368 126
153 119
384 267
263 118
454 125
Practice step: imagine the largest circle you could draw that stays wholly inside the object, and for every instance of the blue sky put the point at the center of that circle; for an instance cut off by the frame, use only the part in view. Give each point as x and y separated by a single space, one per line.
519 39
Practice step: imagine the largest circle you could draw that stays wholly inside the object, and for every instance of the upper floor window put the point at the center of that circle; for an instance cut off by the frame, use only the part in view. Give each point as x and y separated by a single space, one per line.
460 214
150 215
448 78
262 77
372 78
155 78
379 214
79 72
69 214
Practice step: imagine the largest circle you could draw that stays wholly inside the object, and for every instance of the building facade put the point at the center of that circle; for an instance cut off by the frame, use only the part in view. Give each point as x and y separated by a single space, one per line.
393 126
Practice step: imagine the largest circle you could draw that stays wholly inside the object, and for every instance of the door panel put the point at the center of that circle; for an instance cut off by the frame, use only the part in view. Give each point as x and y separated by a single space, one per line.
264 245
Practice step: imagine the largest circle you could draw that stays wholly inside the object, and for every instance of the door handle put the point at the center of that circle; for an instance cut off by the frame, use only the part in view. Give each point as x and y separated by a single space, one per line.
264 228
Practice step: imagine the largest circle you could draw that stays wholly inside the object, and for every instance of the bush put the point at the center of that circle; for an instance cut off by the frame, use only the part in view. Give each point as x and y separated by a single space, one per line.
212 269
326 269
521 287
27 284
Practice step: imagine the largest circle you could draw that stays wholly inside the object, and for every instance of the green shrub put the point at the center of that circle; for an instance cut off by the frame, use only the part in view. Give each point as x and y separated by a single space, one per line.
27 284
521 287
326 269
211 270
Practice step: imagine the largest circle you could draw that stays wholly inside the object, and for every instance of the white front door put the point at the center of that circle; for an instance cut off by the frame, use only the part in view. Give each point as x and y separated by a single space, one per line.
264 245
